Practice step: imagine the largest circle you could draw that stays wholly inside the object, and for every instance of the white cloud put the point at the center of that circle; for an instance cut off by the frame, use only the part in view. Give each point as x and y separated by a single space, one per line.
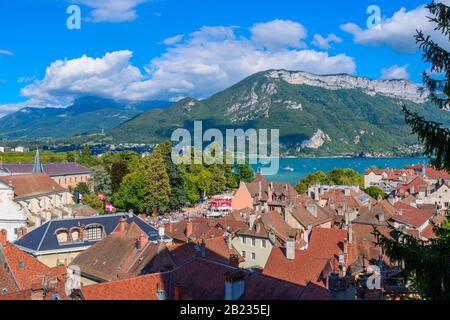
397 32
173 40
205 62
108 76
6 52
325 43
111 10
395 72
279 34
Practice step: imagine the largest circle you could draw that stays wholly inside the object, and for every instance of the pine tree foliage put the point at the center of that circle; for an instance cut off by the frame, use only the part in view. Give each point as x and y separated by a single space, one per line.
435 137
426 264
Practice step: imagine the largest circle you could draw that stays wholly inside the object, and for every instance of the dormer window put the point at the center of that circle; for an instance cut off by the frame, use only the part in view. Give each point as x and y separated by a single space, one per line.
75 234
63 236
94 232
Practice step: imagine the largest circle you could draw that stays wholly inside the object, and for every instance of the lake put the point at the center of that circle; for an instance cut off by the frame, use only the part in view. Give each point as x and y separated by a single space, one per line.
304 166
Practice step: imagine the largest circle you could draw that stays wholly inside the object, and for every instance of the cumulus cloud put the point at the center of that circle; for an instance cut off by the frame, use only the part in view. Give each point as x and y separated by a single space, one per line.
325 43
395 72
397 32
6 52
172 40
279 34
204 62
111 10
108 76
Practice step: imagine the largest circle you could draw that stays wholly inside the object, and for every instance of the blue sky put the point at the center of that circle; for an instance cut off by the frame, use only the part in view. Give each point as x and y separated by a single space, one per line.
120 51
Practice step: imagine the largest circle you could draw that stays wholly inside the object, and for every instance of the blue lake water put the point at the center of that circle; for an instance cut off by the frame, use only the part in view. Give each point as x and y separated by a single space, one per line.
303 166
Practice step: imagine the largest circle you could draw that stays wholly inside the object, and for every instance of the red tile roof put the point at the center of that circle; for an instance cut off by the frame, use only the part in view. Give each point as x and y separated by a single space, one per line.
325 245
138 288
411 215
27 270
31 185
199 279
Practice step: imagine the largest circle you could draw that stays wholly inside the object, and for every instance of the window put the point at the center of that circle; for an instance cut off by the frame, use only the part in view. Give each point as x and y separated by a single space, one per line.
264 243
94 233
253 256
243 254
75 235
62 236
243 240
253 242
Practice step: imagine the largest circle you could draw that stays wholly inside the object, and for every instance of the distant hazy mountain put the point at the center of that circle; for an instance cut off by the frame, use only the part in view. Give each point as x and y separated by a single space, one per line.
88 114
326 115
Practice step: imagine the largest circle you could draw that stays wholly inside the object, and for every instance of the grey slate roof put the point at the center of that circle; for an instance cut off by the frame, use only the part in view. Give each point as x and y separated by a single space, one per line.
44 238
52 169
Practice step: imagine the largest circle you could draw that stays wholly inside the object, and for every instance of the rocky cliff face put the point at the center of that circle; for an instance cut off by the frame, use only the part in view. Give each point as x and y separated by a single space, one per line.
401 89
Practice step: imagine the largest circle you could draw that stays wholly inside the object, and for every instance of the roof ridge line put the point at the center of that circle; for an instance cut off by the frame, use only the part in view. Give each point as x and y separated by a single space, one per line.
44 235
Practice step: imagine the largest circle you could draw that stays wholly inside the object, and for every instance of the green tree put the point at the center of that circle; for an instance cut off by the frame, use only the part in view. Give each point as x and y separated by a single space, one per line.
375 192
158 183
309 180
118 171
345 176
245 172
81 188
100 181
93 201
132 193
426 264
177 178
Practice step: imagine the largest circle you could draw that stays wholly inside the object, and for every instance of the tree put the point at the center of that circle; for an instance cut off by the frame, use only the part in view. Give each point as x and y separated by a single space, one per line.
158 183
309 180
132 193
245 172
81 188
100 181
86 159
435 137
427 263
178 194
375 192
93 201
118 171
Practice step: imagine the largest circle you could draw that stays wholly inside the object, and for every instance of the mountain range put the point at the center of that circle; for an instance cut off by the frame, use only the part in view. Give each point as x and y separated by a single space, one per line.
316 114
86 114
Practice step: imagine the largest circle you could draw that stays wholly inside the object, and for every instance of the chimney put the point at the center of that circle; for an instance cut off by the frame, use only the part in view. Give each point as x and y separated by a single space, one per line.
230 240
259 190
312 209
258 227
37 291
3 237
122 225
251 220
290 248
141 241
234 284
350 233
347 192
381 216
317 193
189 229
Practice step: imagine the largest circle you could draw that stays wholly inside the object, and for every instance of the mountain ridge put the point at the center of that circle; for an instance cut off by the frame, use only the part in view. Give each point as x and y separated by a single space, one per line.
333 121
